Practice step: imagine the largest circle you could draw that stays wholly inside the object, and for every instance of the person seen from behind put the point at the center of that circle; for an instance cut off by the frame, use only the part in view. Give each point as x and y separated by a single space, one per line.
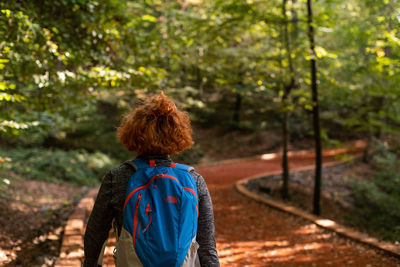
161 210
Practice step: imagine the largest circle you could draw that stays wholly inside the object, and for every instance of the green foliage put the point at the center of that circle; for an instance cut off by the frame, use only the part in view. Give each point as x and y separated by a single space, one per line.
190 156
94 129
363 79
377 200
75 166
56 56
203 53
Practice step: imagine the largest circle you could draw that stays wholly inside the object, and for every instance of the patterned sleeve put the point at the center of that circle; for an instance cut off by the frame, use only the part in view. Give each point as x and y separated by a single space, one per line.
205 231
99 223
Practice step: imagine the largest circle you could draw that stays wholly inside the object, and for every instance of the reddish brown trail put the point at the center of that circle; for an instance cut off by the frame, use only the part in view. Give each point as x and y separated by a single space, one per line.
252 234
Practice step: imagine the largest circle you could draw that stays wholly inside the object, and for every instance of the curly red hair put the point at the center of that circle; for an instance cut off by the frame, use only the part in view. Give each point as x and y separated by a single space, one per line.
157 127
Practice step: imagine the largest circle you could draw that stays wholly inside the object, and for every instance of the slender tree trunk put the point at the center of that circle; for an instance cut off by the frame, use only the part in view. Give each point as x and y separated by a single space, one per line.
285 99
285 139
199 81
317 133
367 152
295 20
388 54
166 36
285 161
238 107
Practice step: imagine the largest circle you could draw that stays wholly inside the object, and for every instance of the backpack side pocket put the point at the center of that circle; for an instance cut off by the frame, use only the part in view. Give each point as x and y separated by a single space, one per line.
192 259
125 255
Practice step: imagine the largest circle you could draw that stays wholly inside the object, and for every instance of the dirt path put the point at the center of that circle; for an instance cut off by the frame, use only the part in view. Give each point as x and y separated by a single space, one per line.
252 234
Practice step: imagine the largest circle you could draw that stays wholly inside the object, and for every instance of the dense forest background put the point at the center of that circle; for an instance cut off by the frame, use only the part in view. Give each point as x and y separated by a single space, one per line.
69 69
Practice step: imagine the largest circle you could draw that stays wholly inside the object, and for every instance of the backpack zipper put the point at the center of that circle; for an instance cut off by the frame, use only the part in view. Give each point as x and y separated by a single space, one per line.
135 219
150 213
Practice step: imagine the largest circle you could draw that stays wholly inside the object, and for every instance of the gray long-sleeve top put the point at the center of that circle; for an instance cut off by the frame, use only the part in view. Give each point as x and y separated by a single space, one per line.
109 206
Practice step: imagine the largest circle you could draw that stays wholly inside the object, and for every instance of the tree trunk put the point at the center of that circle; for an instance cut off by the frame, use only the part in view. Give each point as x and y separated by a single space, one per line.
199 81
285 161
295 20
238 107
317 132
368 150
285 99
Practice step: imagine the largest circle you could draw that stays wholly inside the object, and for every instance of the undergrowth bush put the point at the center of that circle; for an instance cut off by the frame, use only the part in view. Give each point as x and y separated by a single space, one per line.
377 200
53 165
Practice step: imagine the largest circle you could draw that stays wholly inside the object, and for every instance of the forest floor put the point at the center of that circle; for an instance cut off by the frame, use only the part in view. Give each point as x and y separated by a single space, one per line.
252 234
337 199
32 219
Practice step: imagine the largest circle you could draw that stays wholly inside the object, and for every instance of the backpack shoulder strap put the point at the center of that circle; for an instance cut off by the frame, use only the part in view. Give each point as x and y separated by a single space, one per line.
140 163
183 167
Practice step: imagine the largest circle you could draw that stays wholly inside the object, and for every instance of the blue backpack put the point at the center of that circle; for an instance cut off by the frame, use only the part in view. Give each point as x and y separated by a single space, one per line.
160 213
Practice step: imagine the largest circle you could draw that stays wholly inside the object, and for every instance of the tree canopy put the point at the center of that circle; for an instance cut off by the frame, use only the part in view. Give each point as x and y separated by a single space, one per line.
225 61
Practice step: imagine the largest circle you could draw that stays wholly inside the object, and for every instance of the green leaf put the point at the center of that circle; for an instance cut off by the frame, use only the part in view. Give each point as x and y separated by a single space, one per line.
149 18
7 12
